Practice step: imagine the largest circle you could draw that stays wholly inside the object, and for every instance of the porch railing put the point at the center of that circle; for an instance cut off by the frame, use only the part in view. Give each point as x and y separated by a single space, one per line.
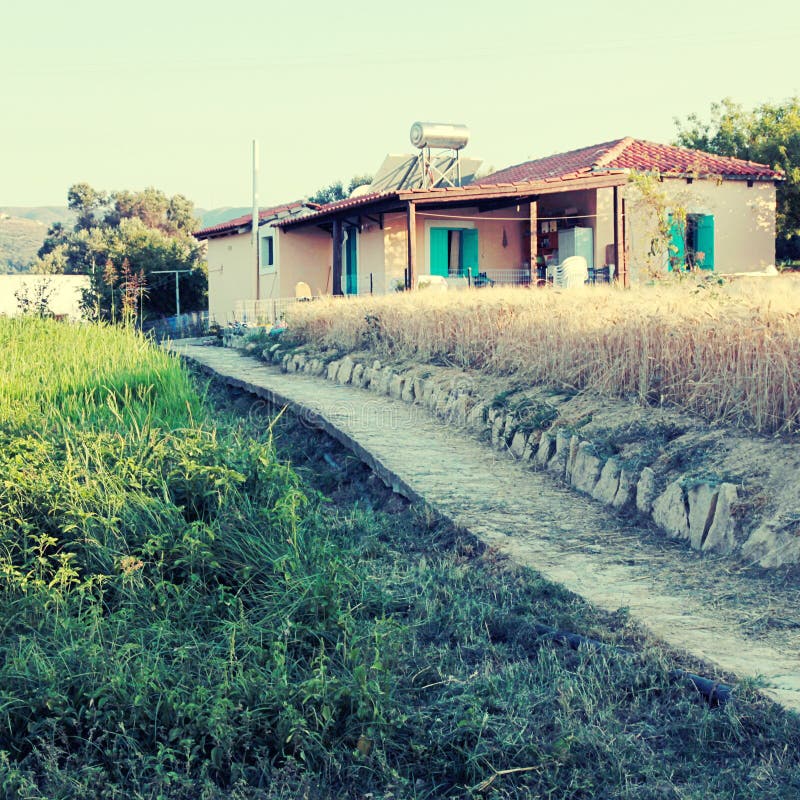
261 312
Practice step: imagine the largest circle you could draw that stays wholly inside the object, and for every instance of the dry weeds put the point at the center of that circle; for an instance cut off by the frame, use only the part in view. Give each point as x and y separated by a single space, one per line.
730 353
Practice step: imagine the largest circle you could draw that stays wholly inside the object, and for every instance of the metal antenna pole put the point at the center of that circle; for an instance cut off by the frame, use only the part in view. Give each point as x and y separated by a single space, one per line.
255 220
177 274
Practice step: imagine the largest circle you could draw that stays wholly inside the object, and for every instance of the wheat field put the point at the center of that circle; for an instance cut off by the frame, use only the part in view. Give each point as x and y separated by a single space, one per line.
728 352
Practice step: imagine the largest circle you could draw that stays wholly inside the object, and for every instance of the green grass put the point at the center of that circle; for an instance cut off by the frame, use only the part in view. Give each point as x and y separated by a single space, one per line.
184 615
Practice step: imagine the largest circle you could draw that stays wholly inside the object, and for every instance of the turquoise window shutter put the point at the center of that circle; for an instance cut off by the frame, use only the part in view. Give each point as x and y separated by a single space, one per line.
705 241
469 251
351 263
676 257
439 252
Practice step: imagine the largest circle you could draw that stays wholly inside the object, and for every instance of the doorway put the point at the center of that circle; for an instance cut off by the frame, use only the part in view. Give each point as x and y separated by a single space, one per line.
454 252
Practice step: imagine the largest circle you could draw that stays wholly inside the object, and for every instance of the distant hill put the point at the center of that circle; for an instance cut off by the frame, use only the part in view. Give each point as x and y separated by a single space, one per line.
19 241
217 215
46 214
22 231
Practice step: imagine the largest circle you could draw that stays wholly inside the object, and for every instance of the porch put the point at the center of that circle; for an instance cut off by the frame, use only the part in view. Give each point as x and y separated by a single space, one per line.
507 235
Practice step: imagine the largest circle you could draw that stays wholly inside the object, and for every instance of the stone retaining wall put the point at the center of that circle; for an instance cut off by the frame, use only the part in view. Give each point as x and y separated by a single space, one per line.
706 513
702 514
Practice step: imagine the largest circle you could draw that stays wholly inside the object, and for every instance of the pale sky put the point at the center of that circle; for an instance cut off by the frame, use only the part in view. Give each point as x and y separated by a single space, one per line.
170 93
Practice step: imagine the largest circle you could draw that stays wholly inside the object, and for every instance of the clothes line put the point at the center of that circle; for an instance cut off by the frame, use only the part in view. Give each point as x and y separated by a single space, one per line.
505 219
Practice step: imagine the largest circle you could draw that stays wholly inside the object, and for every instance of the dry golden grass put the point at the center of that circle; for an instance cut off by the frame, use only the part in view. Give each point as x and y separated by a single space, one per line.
730 353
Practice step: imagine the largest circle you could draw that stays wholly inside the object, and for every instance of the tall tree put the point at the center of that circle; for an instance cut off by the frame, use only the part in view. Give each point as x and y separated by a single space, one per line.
85 200
768 134
125 241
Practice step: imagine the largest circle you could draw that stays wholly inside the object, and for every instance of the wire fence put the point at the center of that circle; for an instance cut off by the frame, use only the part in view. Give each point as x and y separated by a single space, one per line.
262 312
527 277
177 327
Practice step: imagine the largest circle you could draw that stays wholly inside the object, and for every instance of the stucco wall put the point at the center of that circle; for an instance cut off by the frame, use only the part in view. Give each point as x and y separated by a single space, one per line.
603 225
395 243
304 254
231 274
744 223
371 254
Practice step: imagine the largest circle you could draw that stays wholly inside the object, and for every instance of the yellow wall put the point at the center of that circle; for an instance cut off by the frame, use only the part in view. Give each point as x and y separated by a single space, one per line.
232 270
744 223
231 274
371 255
603 225
395 244
304 254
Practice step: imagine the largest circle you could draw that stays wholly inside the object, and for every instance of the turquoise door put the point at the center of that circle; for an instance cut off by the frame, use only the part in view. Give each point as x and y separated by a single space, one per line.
351 263
440 257
440 252
469 252
705 241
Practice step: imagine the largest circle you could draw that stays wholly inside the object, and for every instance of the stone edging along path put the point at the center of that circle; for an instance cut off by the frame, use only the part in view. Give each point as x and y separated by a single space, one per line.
690 502
690 603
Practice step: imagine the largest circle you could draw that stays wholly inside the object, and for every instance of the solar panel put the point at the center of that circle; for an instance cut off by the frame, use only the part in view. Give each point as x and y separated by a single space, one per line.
405 172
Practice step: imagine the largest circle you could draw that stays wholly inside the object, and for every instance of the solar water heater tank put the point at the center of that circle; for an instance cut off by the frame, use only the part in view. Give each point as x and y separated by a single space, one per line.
439 135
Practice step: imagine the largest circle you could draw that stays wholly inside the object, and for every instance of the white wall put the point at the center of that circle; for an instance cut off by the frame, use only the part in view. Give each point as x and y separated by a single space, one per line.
64 292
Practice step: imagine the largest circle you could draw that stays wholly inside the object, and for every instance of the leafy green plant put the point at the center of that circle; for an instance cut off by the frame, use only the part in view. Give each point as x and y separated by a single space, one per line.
184 616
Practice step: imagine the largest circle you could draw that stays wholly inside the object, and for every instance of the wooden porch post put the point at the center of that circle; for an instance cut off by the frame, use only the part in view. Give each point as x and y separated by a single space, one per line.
534 243
412 244
337 258
620 255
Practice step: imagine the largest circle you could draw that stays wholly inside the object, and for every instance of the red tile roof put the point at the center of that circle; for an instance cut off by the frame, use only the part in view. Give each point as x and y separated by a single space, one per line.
630 154
264 215
338 205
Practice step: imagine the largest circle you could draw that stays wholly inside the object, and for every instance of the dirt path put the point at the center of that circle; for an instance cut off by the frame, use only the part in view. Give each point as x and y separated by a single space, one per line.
712 608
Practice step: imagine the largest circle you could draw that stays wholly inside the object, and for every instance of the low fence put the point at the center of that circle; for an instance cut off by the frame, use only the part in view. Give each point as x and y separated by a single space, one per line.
524 277
180 327
262 312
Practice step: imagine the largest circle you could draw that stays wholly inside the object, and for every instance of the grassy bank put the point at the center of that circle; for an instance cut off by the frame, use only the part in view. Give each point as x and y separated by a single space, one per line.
183 616
729 353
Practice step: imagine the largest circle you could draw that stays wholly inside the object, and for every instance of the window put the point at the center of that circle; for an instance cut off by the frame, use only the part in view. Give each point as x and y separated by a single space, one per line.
691 244
267 255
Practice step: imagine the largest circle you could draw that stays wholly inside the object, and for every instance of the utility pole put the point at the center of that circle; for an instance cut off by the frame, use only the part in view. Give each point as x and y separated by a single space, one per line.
177 273
254 221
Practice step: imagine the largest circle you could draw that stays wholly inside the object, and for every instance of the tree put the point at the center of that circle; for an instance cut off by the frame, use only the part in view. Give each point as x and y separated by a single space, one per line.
769 134
123 241
336 191
84 199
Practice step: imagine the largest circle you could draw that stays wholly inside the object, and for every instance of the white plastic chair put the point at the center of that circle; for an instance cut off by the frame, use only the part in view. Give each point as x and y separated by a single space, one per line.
572 272
302 291
436 283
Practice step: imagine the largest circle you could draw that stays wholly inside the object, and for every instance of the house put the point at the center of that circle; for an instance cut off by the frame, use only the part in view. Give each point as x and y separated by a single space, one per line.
694 209
238 273
508 226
